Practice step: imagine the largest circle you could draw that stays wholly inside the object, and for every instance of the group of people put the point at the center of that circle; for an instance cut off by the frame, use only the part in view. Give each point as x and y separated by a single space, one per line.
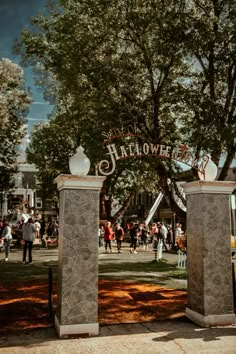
139 233
106 235
149 235
26 232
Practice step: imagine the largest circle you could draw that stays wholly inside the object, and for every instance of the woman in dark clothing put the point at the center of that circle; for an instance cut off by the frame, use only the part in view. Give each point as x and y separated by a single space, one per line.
28 230
119 235
144 236
134 231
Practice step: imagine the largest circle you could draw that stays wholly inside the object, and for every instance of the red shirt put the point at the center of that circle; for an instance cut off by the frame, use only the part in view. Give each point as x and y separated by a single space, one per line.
108 234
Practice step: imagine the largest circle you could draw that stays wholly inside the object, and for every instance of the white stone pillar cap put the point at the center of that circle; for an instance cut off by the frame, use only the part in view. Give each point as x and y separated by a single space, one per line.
209 187
79 182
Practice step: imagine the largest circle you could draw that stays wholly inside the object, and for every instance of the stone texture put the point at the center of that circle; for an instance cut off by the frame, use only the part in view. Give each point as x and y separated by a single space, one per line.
78 257
209 254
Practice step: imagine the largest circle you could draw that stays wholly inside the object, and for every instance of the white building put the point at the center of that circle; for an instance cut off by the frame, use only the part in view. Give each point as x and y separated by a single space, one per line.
22 195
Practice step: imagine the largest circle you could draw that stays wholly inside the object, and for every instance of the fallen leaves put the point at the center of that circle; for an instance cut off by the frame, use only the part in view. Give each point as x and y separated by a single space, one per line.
24 305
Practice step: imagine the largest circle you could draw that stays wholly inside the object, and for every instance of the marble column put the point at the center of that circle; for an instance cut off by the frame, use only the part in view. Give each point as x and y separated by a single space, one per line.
77 307
209 268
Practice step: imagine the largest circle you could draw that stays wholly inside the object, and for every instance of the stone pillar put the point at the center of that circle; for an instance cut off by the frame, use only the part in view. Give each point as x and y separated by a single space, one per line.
210 289
77 308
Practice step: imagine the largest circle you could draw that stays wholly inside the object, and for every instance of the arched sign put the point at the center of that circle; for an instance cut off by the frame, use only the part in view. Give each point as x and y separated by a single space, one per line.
179 153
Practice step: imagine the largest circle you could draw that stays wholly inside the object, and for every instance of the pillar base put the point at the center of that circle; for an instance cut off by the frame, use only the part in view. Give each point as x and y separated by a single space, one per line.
89 329
210 320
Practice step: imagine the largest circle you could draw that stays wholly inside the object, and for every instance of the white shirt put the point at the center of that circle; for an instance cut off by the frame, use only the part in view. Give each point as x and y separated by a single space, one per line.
163 231
37 225
6 234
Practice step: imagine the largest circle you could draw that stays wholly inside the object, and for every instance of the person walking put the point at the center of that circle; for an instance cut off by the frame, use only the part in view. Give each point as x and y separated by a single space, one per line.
28 236
38 227
43 235
154 232
7 237
144 235
108 236
101 235
134 232
119 235
42 230
163 234
155 239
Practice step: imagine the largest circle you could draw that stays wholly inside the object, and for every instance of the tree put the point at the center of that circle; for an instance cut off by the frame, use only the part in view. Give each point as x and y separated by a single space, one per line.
50 148
210 40
121 62
14 102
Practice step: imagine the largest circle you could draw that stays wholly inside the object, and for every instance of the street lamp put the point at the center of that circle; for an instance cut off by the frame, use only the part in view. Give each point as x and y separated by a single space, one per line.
79 163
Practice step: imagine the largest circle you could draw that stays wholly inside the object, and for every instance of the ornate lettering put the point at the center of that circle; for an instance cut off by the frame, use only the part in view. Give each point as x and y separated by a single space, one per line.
178 153
165 150
123 152
130 129
138 152
104 165
146 148
137 131
154 148
112 151
131 145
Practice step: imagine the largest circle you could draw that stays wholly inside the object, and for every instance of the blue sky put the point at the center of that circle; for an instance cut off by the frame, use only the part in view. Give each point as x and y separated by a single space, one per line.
14 17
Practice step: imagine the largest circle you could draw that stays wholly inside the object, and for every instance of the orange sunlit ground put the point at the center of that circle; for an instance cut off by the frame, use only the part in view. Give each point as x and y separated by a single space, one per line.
127 302
24 305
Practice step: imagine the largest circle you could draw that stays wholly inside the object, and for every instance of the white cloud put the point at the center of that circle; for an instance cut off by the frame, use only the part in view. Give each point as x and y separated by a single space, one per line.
37 119
44 103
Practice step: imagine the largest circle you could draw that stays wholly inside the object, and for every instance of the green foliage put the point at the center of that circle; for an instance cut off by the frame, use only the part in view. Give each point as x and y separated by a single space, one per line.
14 102
50 149
169 66
210 41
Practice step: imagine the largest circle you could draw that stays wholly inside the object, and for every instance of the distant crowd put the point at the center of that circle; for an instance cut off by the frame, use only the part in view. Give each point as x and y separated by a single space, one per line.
137 234
24 234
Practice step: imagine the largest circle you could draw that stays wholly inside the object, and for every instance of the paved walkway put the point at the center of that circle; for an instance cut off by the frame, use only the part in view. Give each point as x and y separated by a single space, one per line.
175 336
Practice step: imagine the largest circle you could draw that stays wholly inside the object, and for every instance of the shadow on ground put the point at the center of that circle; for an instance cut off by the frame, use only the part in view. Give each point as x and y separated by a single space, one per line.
133 298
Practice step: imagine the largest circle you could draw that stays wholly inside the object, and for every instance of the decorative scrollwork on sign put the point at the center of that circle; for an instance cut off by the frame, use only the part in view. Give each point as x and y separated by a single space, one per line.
179 153
104 166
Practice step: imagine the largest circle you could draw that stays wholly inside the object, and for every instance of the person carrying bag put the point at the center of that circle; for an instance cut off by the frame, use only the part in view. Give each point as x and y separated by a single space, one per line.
119 235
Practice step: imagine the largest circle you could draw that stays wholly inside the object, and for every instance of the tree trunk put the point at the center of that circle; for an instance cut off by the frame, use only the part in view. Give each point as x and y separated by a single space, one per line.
124 207
168 194
224 172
